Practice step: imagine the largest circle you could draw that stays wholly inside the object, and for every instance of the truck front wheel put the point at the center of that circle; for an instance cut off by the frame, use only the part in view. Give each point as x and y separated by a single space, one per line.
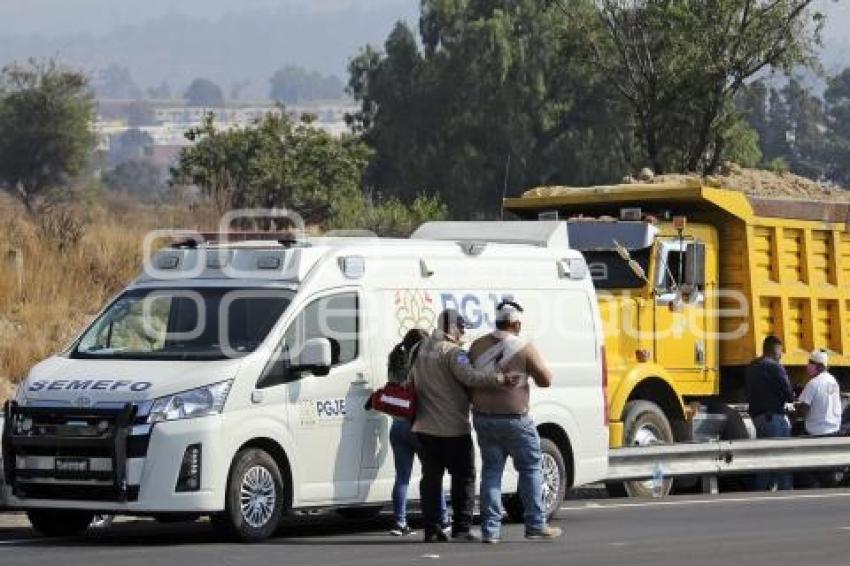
645 424
254 499
59 522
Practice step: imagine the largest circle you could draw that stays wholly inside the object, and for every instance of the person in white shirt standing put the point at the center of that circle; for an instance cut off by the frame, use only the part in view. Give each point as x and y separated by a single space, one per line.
820 401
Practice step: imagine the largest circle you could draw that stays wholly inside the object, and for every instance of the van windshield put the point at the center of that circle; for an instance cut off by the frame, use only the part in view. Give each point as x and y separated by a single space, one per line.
183 324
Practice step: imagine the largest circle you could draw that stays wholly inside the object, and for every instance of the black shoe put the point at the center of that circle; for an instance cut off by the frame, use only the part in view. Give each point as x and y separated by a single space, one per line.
436 536
546 533
401 530
465 536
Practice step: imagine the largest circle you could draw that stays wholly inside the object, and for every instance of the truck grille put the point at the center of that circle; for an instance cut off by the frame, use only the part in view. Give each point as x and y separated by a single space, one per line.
70 453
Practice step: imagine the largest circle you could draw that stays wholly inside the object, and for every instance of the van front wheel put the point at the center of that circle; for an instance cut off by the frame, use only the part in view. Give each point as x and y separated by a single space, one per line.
254 499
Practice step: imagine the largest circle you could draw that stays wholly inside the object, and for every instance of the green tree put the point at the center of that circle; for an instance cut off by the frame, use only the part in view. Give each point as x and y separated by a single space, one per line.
294 85
204 92
388 216
679 65
139 179
161 92
280 163
46 113
808 129
116 82
501 95
837 97
129 145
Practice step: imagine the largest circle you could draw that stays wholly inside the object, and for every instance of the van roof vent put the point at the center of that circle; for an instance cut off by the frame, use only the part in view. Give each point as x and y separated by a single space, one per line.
541 233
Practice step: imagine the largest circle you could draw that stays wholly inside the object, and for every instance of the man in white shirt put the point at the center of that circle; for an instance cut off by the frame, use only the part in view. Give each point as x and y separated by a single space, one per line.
820 401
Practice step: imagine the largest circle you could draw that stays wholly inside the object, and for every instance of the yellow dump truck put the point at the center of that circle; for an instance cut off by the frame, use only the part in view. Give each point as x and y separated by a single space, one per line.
691 279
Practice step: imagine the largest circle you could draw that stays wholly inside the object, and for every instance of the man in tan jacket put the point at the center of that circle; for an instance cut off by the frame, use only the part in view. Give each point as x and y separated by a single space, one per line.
441 373
504 427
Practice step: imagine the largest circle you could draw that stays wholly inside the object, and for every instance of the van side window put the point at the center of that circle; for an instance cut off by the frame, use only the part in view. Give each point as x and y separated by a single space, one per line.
335 317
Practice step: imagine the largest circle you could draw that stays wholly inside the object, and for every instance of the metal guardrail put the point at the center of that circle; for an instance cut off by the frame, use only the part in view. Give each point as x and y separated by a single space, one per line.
723 457
704 459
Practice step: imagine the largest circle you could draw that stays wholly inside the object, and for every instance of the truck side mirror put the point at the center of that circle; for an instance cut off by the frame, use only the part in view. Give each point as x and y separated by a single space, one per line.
695 267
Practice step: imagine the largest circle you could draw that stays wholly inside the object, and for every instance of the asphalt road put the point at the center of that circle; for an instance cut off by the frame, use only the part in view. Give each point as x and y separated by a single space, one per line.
785 529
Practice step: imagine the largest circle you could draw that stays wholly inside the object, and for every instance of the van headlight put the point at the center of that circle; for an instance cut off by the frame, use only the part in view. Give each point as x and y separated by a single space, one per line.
200 402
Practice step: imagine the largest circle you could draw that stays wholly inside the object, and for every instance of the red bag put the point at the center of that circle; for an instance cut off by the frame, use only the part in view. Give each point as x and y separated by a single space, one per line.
395 400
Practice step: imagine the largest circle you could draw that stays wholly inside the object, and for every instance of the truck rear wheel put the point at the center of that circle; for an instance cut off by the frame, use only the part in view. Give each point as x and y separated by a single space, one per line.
554 484
59 522
644 424
255 497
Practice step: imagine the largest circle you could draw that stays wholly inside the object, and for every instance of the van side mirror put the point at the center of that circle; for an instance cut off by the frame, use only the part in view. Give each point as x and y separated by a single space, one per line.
316 357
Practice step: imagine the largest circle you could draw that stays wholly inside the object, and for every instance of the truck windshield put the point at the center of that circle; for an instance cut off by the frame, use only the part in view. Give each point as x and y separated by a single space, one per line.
610 271
183 324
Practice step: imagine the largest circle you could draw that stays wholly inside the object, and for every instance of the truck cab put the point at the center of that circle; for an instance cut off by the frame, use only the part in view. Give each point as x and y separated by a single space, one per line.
657 288
699 277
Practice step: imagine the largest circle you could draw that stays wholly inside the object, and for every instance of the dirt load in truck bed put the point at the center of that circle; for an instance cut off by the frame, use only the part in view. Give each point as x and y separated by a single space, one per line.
754 182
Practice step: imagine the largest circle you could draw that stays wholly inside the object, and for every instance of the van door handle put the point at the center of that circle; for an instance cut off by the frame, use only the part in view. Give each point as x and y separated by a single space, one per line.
360 379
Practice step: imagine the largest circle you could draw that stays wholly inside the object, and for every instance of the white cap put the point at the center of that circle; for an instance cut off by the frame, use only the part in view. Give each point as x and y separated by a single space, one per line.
819 357
508 312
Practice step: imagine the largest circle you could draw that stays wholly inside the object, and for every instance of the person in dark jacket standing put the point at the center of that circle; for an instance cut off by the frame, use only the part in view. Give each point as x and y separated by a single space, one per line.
402 439
442 373
769 392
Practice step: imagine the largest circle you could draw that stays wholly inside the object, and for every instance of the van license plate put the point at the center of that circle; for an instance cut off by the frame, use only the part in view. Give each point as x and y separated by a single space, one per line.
72 465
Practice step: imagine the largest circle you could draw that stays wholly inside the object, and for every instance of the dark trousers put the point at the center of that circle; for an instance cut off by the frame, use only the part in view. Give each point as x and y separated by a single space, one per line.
457 455
773 425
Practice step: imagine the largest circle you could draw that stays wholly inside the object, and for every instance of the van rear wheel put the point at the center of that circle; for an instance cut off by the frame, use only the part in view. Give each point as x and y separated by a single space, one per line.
59 522
554 484
254 499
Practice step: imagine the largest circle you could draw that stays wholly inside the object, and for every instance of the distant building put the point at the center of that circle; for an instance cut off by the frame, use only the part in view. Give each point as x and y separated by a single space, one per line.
172 121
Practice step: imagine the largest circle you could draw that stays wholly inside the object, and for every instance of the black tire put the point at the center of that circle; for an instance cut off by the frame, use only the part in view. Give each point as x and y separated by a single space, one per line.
554 473
366 513
643 420
59 522
172 518
252 465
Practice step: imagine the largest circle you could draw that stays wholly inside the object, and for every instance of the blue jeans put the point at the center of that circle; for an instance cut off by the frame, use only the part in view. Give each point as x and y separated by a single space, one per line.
405 446
773 426
498 438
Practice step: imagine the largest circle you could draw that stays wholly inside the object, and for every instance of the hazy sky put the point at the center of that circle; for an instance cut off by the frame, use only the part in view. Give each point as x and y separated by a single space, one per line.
234 40
61 17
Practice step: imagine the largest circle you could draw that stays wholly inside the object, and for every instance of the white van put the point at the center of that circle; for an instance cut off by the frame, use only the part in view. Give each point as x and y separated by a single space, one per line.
230 379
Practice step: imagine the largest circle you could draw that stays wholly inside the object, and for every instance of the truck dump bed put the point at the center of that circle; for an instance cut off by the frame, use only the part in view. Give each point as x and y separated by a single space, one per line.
789 258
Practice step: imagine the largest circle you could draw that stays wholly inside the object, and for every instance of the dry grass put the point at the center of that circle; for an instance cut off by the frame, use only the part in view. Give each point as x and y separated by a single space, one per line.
45 302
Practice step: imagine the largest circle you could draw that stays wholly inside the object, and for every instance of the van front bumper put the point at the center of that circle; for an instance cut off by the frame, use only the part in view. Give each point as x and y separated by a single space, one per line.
131 467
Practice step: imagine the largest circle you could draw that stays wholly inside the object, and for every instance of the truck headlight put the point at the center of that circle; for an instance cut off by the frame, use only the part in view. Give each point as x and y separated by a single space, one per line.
200 402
